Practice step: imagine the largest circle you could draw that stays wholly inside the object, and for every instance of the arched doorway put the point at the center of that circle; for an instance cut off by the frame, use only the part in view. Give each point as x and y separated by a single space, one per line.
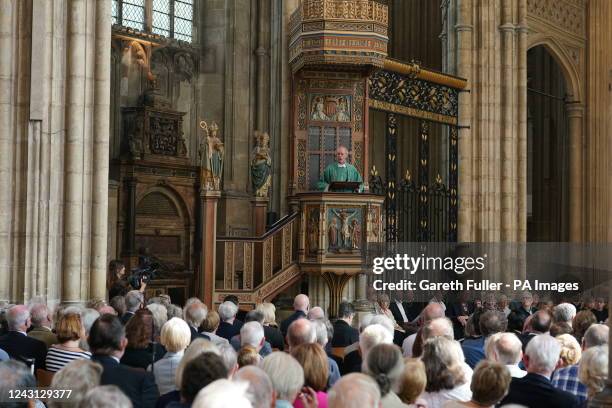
547 148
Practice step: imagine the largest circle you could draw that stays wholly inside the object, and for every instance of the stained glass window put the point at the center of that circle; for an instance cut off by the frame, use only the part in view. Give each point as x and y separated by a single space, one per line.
170 18
322 144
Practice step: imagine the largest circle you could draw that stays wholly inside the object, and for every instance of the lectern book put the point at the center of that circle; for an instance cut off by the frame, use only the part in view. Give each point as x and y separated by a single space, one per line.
347 186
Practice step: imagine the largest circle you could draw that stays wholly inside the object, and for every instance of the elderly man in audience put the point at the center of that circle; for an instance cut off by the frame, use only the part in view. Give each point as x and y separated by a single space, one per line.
593 371
536 324
385 364
80 377
431 311
517 317
566 378
14 375
302 331
301 304
223 393
447 379
175 337
134 300
287 376
41 324
105 396
252 334
16 342
260 392
257 317
344 332
535 389
195 314
229 326
107 342
506 349
209 327
316 313
354 390
490 322
563 316
489 385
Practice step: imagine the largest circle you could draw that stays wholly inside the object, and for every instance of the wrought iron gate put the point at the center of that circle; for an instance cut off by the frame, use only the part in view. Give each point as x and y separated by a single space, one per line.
417 211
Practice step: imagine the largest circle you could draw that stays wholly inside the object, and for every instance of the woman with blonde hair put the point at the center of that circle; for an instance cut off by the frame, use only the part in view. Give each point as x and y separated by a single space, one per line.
593 370
272 333
570 350
412 382
175 336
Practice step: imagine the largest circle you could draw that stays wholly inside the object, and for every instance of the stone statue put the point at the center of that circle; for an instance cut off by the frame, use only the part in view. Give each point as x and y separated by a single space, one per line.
332 234
355 234
261 164
313 233
212 153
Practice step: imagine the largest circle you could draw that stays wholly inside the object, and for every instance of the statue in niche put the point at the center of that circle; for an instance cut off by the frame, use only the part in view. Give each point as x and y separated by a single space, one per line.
318 109
313 232
261 165
332 234
355 234
212 153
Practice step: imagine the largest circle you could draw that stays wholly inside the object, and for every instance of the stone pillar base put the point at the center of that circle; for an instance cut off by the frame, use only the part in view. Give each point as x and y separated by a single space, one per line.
336 284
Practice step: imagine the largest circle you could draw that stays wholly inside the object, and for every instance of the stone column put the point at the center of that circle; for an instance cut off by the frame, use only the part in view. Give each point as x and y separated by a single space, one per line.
74 150
521 167
575 114
208 201
101 145
465 55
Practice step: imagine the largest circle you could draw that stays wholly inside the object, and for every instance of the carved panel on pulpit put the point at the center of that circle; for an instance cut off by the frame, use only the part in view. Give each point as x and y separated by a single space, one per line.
344 230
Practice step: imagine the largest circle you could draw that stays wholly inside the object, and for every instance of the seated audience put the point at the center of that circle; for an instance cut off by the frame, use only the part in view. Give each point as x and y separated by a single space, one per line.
600 310
241 314
222 394
141 351
15 375
570 350
382 308
118 303
446 377
88 317
536 324
490 322
535 389
459 312
229 326
313 360
252 316
412 382
506 349
105 396
42 324
260 391
209 327
566 378
160 317
80 376
302 331
287 376
517 317
371 335
344 333
134 300
175 337
273 334
16 342
354 390
195 314
316 313
564 313
593 371
107 342
385 364
583 320
248 355
174 311
230 357
301 303
198 373
489 385
431 311
69 331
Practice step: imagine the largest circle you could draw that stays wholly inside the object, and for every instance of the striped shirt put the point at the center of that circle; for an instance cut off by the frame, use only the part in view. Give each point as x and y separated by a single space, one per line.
57 358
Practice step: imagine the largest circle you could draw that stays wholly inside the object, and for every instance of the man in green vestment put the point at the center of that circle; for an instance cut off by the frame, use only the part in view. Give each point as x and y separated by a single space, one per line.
340 171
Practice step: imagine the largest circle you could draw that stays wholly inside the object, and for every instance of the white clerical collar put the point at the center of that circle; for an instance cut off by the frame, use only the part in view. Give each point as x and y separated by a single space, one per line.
341 165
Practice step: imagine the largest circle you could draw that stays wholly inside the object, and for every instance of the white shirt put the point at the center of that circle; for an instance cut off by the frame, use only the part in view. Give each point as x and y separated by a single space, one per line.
341 165
401 310
515 371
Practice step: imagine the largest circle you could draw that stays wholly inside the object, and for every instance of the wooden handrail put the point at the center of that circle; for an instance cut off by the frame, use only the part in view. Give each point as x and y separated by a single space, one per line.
277 226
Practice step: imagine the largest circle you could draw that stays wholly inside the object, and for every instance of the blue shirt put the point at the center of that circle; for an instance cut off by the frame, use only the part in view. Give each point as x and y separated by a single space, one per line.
473 350
4 356
566 379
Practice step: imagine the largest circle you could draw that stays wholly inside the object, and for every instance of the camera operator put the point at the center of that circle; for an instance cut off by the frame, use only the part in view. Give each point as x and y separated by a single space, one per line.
117 282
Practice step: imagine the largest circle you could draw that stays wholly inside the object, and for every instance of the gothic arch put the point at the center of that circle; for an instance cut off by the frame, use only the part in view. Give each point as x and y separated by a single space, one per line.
176 199
561 56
